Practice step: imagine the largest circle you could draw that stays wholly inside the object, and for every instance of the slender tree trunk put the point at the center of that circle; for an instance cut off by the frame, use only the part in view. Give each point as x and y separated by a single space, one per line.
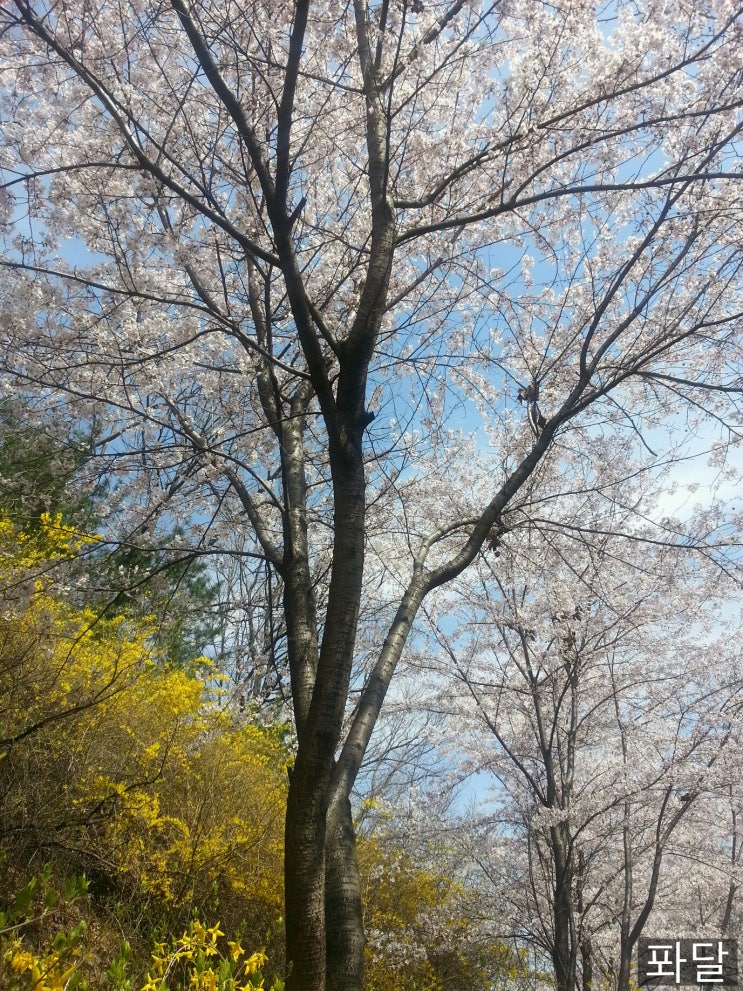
586 959
344 926
625 944
563 951
625 964
586 950
728 913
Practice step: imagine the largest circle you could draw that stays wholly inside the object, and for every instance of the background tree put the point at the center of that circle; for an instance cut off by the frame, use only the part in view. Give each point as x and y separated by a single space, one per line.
38 465
43 478
420 921
606 728
276 247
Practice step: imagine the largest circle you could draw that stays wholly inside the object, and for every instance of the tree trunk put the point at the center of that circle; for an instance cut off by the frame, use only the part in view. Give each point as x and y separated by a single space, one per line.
318 733
625 965
586 950
304 877
728 913
344 924
563 951
586 958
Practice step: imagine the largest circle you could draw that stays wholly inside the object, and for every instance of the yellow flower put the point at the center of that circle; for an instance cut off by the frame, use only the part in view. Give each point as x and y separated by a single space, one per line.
215 932
236 951
204 981
54 982
197 933
255 962
21 962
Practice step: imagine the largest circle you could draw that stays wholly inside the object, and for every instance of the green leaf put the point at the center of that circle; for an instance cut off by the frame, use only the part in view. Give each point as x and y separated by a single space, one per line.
23 898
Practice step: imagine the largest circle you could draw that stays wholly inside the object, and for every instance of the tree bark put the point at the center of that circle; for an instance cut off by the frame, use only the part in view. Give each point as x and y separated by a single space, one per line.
563 950
304 878
586 959
344 924
586 949
315 847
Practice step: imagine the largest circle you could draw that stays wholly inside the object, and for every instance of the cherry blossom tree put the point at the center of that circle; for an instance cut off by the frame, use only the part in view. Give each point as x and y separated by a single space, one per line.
366 283
578 687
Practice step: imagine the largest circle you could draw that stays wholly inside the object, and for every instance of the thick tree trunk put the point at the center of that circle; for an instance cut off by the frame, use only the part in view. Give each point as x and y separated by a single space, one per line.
308 942
304 876
344 925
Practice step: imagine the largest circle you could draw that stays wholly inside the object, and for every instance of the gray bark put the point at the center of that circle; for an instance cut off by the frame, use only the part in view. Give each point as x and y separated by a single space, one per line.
344 924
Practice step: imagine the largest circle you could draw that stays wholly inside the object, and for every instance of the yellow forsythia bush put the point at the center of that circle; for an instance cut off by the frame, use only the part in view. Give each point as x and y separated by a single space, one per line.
200 960
196 962
421 932
126 770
